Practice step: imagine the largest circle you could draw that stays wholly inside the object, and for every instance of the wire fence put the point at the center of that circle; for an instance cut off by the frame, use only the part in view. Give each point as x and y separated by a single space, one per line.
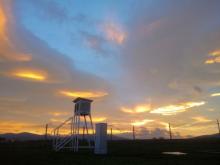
152 131
167 131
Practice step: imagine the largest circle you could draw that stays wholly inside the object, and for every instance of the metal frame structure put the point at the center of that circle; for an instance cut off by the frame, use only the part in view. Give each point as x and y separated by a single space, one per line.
73 140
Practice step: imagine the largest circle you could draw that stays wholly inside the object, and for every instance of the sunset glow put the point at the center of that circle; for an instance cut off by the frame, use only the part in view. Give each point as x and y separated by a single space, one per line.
215 94
142 63
99 119
83 94
2 24
174 109
142 122
30 75
214 57
137 109
201 119
215 53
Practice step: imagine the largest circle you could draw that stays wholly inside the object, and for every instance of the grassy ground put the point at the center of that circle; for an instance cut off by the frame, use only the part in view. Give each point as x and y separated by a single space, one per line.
140 152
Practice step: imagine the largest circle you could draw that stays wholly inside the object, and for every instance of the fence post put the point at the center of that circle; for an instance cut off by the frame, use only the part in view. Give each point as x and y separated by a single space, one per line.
111 134
218 126
170 131
46 128
133 130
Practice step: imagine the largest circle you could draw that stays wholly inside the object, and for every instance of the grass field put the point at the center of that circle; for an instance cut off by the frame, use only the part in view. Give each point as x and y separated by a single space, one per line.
143 152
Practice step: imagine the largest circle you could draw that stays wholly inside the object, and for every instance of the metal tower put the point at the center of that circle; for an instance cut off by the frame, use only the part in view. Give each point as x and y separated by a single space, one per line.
81 128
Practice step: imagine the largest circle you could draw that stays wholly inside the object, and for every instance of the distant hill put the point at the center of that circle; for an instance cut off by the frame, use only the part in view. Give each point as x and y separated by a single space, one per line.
213 136
22 136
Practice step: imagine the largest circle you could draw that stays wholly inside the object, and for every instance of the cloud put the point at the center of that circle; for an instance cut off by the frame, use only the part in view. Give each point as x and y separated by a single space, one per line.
162 53
215 53
214 57
46 65
57 114
215 94
201 119
7 49
27 74
114 33
85 94
144 133
174 109
137 109
168 64
95 42
142 122
99 119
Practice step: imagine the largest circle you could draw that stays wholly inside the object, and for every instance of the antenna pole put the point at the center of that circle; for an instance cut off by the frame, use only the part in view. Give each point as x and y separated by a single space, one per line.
218 126
46 128
133 130
170 132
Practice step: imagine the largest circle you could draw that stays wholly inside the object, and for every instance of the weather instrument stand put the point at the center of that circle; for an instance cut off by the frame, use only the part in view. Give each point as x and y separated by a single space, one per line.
81 129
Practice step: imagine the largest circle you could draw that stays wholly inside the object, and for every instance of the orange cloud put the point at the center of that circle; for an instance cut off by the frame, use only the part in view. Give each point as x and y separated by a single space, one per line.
215 53
28 74
7 51
201 119
174 109
86 94
99 119
114 33
142 122
59 113
137 109
210 61
19 57
214 57
118 131
3 20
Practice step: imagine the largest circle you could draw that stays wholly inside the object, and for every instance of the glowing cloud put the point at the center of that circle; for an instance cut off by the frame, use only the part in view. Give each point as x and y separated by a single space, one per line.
141 123
210 61
215 53
215 94
98 119
174 109
30 75
7 51
138 109
20 57
17 127
86 94
114 33
56 114
2 24
214 57
201 119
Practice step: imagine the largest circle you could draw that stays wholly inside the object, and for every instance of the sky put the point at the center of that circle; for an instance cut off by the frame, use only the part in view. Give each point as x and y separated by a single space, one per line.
145 63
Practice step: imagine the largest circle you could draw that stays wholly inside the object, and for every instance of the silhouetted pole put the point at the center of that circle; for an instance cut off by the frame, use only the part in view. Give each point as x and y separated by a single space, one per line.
170 131
83 132
218 126
111 134
133 130
46 128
